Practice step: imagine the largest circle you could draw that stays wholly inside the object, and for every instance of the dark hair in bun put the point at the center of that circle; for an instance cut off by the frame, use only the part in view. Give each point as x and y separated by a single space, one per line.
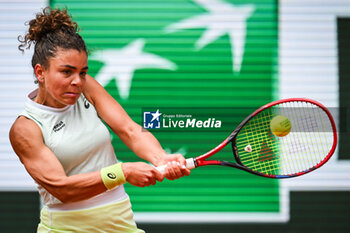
50 30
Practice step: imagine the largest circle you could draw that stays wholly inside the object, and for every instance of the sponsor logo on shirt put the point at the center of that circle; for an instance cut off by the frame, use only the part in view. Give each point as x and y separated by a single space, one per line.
59 126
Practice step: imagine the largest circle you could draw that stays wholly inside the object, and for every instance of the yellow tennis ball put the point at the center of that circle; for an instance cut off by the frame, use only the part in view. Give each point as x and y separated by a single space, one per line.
280 126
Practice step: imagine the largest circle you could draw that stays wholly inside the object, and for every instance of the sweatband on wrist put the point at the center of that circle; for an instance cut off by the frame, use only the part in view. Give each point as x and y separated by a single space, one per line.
113 176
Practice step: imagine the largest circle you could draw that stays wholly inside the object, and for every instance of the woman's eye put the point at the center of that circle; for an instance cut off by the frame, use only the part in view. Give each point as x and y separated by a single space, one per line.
66 72
83 74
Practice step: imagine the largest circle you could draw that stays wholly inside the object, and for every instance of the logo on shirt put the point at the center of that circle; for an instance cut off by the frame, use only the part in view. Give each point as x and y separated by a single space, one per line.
59 126
86 103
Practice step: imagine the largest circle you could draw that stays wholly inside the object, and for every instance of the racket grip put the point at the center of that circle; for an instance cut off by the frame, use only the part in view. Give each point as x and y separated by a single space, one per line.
189 164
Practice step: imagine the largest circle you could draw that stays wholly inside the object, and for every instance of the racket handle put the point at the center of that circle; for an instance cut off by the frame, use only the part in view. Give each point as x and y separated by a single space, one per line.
189 164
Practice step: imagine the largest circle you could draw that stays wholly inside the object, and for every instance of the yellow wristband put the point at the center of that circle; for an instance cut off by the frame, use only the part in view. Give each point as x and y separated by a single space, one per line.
113 176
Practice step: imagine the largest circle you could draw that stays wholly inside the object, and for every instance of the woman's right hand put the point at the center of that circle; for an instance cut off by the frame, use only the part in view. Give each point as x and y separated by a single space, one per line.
141 174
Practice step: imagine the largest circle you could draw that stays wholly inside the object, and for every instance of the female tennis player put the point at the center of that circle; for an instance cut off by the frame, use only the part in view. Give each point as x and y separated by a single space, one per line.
64 145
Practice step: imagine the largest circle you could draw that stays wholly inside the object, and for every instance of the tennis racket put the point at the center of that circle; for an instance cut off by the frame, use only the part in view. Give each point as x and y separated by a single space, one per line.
282 139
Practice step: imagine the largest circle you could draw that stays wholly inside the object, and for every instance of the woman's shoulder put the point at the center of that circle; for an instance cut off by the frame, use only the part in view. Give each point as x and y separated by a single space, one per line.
24 125
24 130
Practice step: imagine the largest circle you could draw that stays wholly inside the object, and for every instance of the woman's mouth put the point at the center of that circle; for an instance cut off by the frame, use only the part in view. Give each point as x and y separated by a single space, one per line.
72 94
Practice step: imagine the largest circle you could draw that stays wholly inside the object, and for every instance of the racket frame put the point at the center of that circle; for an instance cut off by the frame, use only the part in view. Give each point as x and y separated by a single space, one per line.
201 160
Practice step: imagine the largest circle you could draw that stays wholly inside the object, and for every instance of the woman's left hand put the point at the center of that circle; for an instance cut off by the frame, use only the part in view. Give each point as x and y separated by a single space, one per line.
176 166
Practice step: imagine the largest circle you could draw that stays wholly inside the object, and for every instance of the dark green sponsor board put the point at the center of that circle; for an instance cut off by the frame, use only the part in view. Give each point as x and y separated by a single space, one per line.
182 54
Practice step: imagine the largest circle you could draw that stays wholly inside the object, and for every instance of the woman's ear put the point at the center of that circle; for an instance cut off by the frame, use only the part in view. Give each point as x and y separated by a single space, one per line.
39 73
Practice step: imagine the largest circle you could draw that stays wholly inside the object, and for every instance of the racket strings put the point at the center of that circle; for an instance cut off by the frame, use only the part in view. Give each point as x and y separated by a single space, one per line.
256 134
306 146
312 141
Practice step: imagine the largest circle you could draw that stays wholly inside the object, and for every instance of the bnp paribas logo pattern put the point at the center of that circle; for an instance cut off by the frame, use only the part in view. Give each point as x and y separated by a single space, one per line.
221 18
120 64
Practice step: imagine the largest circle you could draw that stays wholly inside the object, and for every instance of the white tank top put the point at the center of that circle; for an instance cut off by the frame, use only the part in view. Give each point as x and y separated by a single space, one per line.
80 141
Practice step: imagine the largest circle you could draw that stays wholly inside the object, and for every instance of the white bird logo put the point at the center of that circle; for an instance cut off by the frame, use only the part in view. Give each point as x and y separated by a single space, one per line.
122 63
222 18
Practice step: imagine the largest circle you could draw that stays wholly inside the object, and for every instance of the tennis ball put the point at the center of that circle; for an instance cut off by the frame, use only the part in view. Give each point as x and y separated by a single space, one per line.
280 126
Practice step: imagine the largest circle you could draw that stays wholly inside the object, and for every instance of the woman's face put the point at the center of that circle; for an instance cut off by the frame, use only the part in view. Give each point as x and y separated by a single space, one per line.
62 83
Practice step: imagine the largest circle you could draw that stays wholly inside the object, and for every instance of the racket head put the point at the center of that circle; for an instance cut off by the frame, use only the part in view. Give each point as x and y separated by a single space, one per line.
309 145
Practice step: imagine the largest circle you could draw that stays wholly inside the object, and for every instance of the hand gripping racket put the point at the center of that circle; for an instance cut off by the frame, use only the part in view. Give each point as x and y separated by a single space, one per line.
283 139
